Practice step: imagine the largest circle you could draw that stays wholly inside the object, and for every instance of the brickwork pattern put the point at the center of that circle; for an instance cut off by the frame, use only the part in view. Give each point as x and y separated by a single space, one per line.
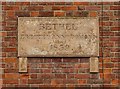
70 72
1 71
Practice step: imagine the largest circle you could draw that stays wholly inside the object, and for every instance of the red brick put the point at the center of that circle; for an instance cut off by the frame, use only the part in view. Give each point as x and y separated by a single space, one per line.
35 8
69 3
108 44
95 81
109 76
70 60
69 8
50 3
115 70
115 49
46 70
46 13
3 3
10 29
81 82
105 3
47 8
11 24
60 65
93 14
100 65
104 18
47 76
12 60
10 49
11 8
3 34
62 76
116 64
94 76
114 38
10 13
33 76
22 3
56 82
100 71
69 81
107 70
115 59
117 54
70 76
81 13
84 65
10 3
10 81
107 13
33 70
93 8
81 8
59 13
116 23
60 3
115 28
107 59
12 34
117 34
11 76
24 76
81 3
56 7
115 81
82 76
57 60
114 7
11 70
38 3
46 65
117 44
22 13
108 33
11 54
35 13
35 81
117 3
23 82
46 60
106 23
108 65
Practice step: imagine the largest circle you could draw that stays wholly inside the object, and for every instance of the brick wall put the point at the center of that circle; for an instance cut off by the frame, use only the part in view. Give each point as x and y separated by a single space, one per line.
1 45
70 72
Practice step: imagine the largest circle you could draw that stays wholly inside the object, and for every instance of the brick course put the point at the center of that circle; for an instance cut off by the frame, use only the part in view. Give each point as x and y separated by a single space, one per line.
66 72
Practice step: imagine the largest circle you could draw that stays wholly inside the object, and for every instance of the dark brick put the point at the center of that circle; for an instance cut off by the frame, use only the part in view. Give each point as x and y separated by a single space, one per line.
46 14
22 14
81 13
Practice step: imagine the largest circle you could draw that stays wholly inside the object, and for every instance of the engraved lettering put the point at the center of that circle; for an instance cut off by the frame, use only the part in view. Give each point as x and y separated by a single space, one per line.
57 37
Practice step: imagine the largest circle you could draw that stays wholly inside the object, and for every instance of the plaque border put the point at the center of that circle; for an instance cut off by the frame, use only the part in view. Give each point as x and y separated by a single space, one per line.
63 56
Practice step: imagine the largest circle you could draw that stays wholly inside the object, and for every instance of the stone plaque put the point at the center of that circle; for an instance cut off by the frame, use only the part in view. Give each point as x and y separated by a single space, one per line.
58 37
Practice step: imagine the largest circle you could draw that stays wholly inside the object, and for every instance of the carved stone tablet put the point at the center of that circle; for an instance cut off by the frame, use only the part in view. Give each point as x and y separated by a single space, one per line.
58 37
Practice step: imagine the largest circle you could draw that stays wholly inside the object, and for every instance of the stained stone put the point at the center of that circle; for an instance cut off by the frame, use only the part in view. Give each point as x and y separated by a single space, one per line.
94 64
22 64
58 37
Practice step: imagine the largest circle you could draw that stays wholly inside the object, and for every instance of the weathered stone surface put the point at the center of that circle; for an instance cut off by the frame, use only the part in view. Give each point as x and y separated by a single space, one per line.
22 64
58 37
94 64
